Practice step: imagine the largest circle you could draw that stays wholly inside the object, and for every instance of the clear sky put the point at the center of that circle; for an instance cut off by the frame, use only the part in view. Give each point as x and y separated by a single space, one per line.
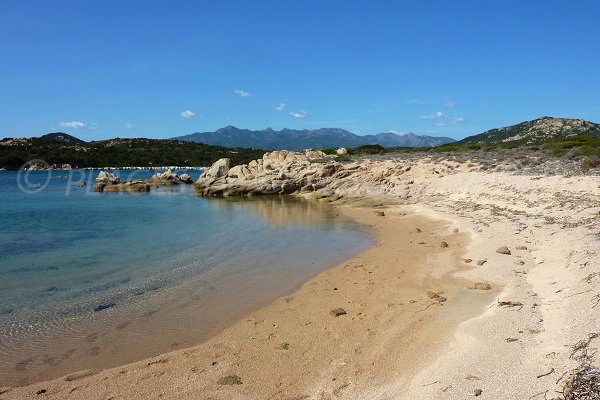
100 69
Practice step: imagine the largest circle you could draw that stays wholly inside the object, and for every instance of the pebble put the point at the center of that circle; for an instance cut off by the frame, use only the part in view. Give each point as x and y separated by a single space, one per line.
503 250
337 312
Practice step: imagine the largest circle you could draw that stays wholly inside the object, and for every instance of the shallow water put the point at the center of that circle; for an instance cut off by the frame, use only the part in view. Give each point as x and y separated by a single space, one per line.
93 280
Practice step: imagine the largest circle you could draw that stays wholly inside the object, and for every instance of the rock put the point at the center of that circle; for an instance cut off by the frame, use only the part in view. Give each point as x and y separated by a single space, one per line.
169 178
443 244
503 250
102 307
380 213
99 186
481 262
521 247
481 286
278 172
477 392
418 230
219 169
107 182
82 184
230 380
337 312
434 296
134 187
467 260
186 179
283 346
342 151
108 178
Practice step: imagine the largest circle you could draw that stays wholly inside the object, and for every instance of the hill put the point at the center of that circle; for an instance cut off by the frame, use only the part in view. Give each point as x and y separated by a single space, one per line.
290 139
61 138
539 130
66 149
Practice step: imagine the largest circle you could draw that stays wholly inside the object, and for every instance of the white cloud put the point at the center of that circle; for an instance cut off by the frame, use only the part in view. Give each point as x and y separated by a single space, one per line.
451 104
440 124
299 115
280 107
396 132
437 115
129 126
188 114
459 120
73 125
242 93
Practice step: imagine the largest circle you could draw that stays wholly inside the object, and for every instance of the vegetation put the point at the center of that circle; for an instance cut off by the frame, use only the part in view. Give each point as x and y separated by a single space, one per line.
118 153
574 147
369 149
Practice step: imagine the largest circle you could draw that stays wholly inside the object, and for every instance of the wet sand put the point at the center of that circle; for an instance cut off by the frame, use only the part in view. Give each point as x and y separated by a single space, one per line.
245 274
392 323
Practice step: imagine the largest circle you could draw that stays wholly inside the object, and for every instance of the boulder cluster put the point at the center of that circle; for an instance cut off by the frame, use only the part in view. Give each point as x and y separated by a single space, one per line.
278 172
169 178
107 182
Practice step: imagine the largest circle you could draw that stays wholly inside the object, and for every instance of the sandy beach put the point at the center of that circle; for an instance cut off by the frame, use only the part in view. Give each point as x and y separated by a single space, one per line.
436 309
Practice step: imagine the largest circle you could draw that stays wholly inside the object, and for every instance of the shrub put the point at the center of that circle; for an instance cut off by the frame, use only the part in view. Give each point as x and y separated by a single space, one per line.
590 163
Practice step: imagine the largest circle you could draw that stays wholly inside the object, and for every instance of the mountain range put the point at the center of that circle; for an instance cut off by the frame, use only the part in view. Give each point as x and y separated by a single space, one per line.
292 139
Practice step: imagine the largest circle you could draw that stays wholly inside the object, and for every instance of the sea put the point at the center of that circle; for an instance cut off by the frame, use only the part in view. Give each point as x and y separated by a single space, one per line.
95 280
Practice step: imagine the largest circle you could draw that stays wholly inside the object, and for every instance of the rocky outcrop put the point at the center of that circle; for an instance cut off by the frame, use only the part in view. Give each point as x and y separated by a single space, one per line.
169 178
278 172
107 182
314 174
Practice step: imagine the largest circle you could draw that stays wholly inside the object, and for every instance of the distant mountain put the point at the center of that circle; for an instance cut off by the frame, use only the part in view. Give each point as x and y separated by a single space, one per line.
290 139
537 131
62 138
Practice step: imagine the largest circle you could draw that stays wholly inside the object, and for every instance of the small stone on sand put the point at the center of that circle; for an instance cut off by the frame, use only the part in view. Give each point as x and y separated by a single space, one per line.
444 244
477 392
481 286
435 296
380 213
481 262
467 260
230 380
503 250
337 312
521 247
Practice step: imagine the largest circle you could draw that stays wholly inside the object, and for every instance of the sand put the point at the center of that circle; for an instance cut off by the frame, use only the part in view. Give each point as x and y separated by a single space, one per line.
395 341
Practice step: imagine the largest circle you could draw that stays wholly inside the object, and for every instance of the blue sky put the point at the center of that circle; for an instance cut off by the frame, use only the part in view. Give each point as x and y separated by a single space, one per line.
100 69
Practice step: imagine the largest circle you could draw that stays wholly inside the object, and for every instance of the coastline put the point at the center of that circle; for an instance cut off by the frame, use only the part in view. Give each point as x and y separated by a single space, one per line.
392 326
518 340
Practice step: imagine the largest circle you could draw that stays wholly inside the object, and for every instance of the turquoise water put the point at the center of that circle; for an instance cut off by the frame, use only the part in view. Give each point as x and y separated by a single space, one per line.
84 276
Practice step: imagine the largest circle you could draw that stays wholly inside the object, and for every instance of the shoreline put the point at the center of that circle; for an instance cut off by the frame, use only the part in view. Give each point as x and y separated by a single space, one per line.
194 293
380 311
530 237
